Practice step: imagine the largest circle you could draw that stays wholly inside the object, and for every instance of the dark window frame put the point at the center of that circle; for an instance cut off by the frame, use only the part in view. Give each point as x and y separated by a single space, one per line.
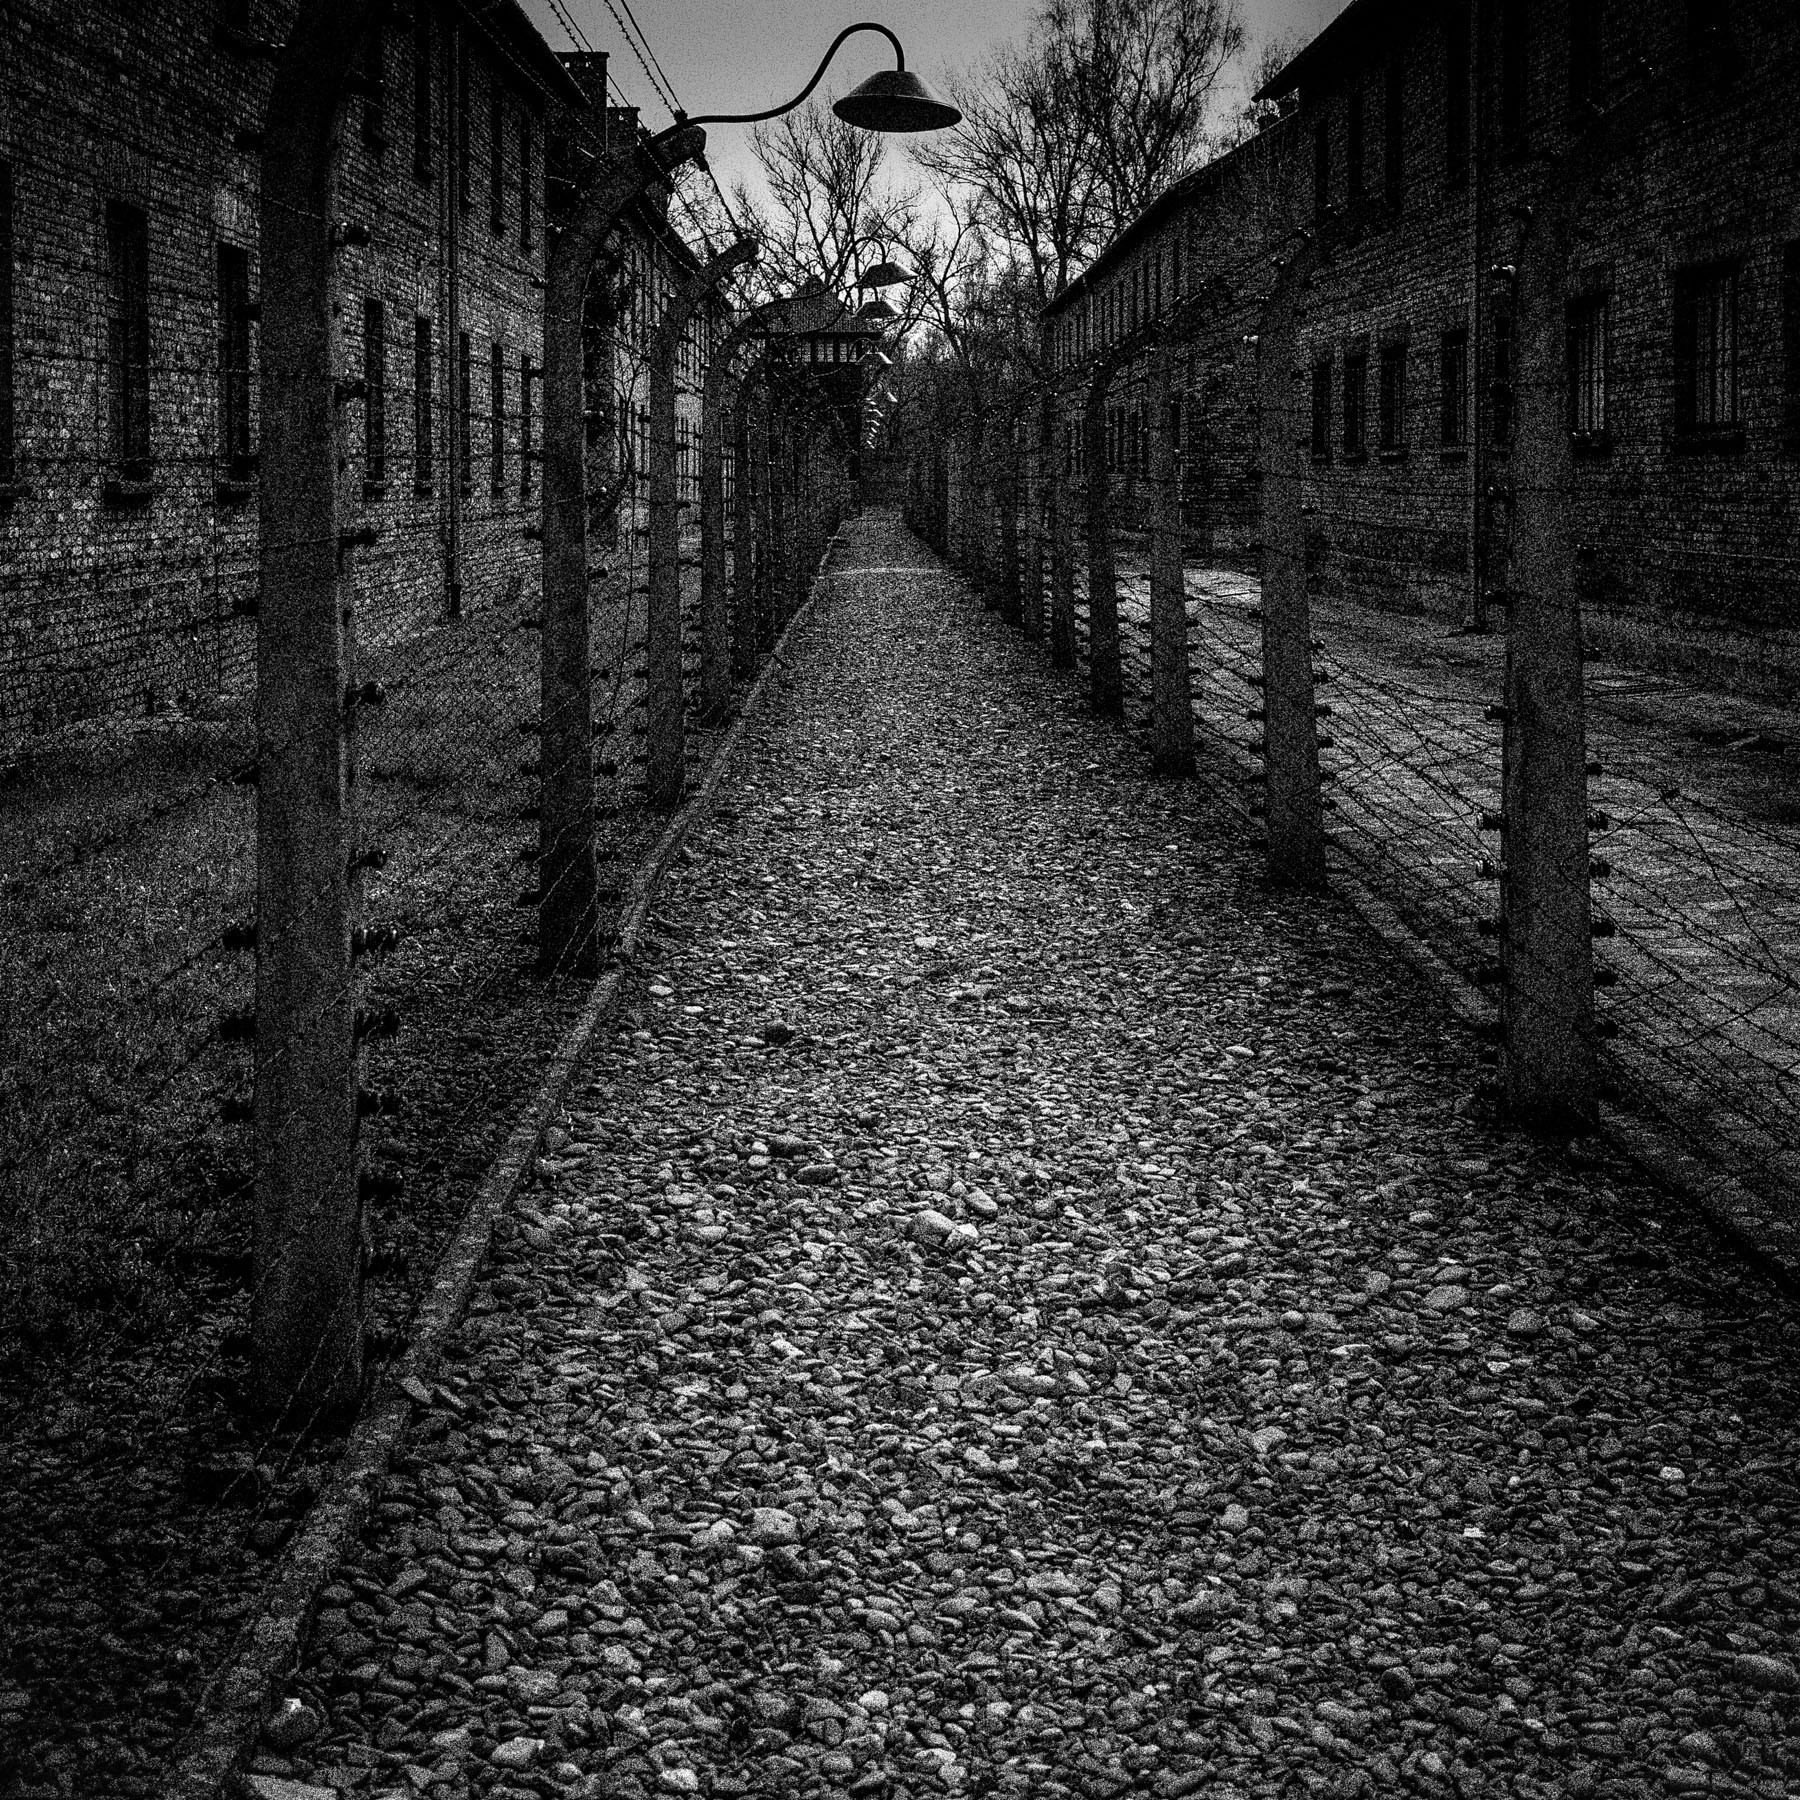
374 397
1393 135
1587 48
1322 165
526 454
1453 389
465 135
372 83
424 410
465 412
1354 147
1790 347
1589 351
9 443
497 415
1514 109
1356 406
233 292
525 195
496 154
1321 410
1390 400
1457 63
1708 367
130 448
424 59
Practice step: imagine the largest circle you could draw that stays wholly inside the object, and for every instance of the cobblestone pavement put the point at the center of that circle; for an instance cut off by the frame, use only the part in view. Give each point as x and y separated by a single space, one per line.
1014 1307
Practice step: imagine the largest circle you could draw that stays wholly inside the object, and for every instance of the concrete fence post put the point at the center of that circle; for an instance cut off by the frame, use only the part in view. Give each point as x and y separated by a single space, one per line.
1106 674
568 903
1546 918
665 768
1061 509
306 1310
1171 680
744 478
1296 841
1031 529
1004 459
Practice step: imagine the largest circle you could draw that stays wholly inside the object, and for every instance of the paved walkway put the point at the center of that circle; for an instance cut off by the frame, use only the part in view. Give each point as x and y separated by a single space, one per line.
1015 1308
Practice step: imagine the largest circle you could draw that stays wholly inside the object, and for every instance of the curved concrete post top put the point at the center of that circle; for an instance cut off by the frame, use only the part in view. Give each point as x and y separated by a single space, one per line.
691 292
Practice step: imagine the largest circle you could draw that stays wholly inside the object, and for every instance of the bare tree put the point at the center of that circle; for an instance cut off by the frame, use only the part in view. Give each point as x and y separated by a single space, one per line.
830 198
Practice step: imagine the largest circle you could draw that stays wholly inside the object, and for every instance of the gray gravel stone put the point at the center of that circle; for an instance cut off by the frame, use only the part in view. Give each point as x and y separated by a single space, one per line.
1209 1463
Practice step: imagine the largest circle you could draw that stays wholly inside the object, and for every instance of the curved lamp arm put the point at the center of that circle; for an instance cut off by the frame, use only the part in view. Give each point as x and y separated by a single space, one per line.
775 112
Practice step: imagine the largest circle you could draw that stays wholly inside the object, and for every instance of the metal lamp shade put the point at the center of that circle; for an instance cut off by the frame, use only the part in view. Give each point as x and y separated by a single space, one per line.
883 274
895 100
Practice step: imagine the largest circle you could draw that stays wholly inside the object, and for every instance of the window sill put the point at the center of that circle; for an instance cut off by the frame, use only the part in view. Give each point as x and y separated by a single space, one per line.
375 139
1318 461
1709 440
424 489
11 491
232 490
1394 453
375 490
1453 453
1355 457
119 490
1590 444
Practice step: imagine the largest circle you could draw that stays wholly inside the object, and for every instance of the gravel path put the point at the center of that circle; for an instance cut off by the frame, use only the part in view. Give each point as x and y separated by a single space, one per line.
1018 1309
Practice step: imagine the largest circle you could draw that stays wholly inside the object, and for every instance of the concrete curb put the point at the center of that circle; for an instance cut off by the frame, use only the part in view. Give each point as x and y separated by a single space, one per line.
235 1703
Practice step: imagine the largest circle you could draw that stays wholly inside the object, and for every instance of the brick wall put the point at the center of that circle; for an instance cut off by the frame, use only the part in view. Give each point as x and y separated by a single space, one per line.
1688 541
134 597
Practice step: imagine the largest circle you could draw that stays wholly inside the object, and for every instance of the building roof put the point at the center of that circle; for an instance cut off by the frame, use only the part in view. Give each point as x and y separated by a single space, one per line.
815 311
1165 206
505 24
1354 25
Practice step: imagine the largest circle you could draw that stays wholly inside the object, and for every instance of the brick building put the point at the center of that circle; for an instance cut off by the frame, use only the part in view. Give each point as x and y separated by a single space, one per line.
129 386
1411 143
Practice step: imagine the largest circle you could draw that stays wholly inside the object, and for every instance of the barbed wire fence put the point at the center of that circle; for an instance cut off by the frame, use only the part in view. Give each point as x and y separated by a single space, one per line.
140 753
1690 900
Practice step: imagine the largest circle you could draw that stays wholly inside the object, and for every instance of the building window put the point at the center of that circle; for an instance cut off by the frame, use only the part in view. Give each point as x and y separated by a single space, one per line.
524 181
234 359
463 132
1706 373
1453 389
497 415
1500 381
9 463
1515 68
1584 54
422 419
1790 349
1393 134
1456 96
1175 272
1587 367
1322 166
1321 412
374 396
526 450
1356 400
422 85
465 414
1390 422
371 82
128 340
1353 145
497 157
1712 43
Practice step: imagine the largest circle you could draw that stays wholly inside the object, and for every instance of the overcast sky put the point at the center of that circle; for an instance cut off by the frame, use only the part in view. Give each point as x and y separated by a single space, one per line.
748 54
